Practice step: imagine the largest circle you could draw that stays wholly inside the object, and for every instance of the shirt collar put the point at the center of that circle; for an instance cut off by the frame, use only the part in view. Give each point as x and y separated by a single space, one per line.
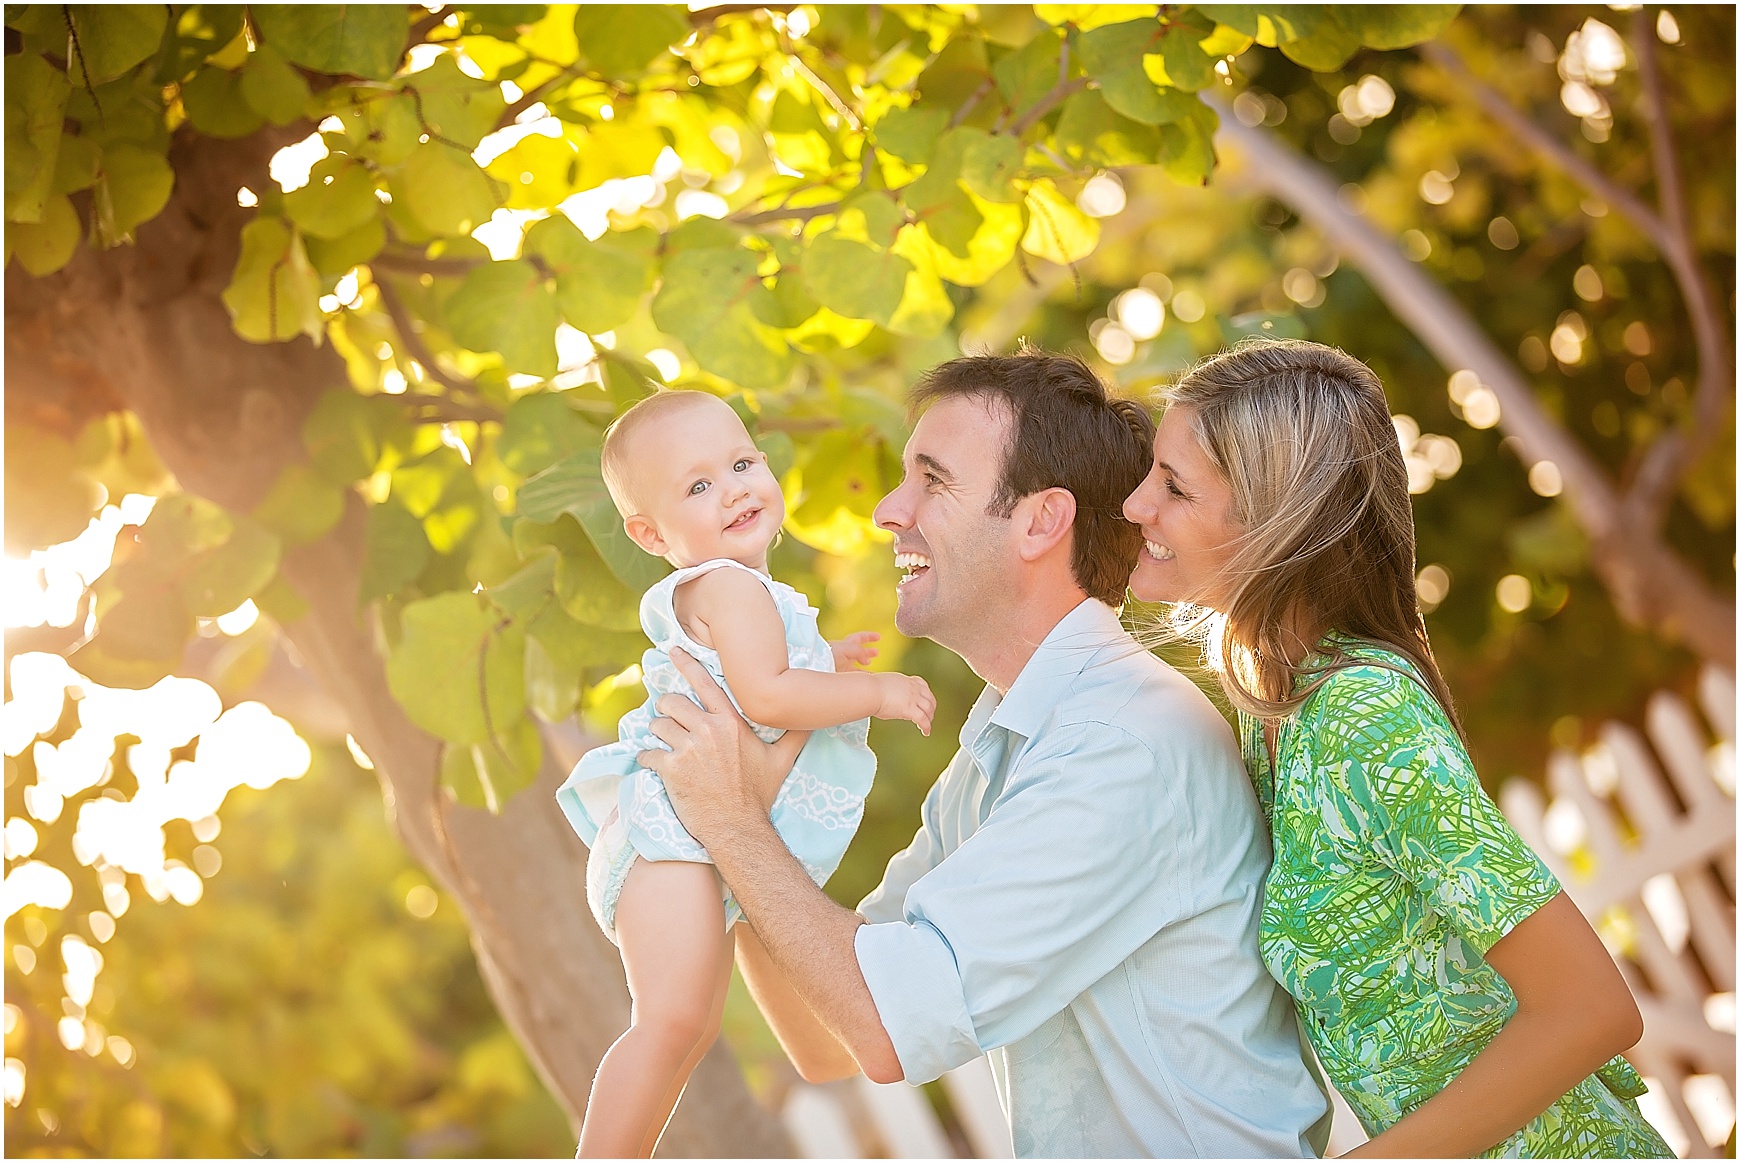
1049 674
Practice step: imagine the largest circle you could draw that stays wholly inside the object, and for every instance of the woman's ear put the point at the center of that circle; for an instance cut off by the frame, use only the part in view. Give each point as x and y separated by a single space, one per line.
645 534
1046 517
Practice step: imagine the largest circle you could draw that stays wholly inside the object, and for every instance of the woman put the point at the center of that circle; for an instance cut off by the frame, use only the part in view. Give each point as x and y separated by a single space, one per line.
1454 994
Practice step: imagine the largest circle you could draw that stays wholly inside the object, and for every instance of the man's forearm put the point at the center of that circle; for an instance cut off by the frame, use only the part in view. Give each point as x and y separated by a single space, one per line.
809 938
812 1048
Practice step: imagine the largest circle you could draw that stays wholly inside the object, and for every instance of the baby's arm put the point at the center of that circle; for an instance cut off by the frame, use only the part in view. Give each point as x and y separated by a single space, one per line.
737 613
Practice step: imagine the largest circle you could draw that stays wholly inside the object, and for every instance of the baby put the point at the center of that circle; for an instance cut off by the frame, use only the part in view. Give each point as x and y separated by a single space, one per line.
693 488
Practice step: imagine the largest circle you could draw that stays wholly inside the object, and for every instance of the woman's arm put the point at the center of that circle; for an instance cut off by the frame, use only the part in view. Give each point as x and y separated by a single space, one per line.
744 624
1574 1012
817 1054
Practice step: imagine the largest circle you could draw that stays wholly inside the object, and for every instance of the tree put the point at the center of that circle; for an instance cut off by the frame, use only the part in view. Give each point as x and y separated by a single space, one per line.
370 281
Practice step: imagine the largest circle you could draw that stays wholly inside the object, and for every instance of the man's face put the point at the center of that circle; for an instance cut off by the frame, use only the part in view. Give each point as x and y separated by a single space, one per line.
954 551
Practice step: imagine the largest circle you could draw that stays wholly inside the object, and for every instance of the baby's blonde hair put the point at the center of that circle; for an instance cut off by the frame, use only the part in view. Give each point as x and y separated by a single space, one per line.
615 459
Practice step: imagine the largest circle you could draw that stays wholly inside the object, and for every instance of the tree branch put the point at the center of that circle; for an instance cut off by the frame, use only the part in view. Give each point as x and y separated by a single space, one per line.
972 102
1058 93
1667 460
786 214
1649 583
413 342
703 16
420 31
1583 172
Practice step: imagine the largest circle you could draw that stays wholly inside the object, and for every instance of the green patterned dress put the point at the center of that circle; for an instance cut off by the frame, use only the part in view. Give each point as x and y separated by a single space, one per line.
1393 874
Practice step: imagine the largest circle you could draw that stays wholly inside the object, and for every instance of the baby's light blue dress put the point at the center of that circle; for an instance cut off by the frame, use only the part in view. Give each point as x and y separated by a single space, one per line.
620 809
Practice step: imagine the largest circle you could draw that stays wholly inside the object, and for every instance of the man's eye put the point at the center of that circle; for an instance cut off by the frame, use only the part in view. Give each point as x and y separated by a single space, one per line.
931 480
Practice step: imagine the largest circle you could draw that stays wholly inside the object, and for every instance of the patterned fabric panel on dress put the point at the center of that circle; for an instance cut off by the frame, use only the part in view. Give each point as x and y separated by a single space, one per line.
620 809
1393 874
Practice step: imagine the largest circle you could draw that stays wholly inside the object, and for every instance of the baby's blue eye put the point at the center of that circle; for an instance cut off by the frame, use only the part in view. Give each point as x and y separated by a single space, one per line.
697 488
741 466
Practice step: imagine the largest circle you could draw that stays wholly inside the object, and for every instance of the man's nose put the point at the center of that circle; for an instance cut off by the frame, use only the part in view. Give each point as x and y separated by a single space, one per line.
893 511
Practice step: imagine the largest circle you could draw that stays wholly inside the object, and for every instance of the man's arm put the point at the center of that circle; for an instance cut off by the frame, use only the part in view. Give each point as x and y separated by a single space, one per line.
713 772
816 1053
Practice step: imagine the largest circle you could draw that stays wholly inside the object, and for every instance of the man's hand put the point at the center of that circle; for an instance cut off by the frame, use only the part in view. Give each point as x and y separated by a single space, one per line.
854 650
717 770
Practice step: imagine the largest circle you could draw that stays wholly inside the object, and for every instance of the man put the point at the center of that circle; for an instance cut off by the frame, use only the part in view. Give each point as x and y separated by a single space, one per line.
1081 899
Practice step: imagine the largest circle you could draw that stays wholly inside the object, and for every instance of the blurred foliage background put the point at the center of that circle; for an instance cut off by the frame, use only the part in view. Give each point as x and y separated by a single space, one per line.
502 225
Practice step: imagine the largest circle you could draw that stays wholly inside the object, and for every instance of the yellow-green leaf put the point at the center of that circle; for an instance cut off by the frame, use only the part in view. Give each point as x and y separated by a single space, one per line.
1056 230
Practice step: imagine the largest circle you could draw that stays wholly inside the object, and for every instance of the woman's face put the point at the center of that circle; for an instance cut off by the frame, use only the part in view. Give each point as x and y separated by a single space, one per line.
1185 510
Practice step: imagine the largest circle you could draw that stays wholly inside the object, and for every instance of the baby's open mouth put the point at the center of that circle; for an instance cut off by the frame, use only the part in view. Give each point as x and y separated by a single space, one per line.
745 520
913 563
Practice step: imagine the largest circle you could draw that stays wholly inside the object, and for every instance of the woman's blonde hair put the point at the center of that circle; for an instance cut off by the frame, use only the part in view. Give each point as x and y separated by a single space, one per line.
1302 435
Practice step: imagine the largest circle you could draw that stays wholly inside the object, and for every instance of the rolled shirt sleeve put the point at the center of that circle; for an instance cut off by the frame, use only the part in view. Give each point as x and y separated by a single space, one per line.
1068 875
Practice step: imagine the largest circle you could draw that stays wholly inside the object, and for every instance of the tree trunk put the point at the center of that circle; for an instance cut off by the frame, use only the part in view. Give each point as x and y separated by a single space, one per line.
144 327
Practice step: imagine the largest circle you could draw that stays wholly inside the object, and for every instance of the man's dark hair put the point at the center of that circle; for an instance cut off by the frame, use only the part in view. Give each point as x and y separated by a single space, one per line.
1067 433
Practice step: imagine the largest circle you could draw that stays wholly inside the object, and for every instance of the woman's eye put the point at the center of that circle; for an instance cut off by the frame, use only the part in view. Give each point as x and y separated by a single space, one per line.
1172 487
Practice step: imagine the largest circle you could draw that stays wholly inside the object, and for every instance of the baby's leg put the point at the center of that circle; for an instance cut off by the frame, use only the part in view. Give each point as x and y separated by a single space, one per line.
669 1104
670 925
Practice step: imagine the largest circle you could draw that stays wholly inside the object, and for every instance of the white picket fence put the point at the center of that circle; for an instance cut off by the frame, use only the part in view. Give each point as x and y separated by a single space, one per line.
1639 829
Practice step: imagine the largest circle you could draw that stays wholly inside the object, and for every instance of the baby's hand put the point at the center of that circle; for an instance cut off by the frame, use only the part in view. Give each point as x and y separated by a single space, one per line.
906 696
854 649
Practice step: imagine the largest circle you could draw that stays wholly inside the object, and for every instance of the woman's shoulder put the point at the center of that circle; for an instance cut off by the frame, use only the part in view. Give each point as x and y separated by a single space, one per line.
1372 704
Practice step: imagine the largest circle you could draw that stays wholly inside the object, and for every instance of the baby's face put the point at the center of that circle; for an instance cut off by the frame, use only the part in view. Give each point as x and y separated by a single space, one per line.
703 489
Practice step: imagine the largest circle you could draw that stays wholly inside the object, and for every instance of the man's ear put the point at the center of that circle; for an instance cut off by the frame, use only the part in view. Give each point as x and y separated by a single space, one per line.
1046 519
645 534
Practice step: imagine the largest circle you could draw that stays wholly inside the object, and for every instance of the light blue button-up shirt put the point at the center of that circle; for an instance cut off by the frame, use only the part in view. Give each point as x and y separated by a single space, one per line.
1081 901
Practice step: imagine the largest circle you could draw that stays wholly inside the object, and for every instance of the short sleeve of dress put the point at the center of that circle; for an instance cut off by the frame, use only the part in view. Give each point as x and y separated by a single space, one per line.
1410 786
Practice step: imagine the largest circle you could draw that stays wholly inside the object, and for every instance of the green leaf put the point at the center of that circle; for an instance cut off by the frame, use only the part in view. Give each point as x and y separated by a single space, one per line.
338 199
456 110
621 40
966 240
1187 147
1028 73
599 284
340 436
75 168
36 95
335 256
273 292
530 589
459 669
552 690
1269 25
706 301
133 186
112 38
363 40
911 134
300 507
1390 26
541 428
1056 230
506 307
988 164
538 171
1327 48
149 622
44 247
381 128
276 91
779 450
222 578
591 593
577 647
574 486
1091 133
486 775
445 190
1112 55
854 279
1187 67
216 106
395 550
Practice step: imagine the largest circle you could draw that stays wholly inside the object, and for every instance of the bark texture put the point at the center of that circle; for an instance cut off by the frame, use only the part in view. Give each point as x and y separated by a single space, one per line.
143 327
